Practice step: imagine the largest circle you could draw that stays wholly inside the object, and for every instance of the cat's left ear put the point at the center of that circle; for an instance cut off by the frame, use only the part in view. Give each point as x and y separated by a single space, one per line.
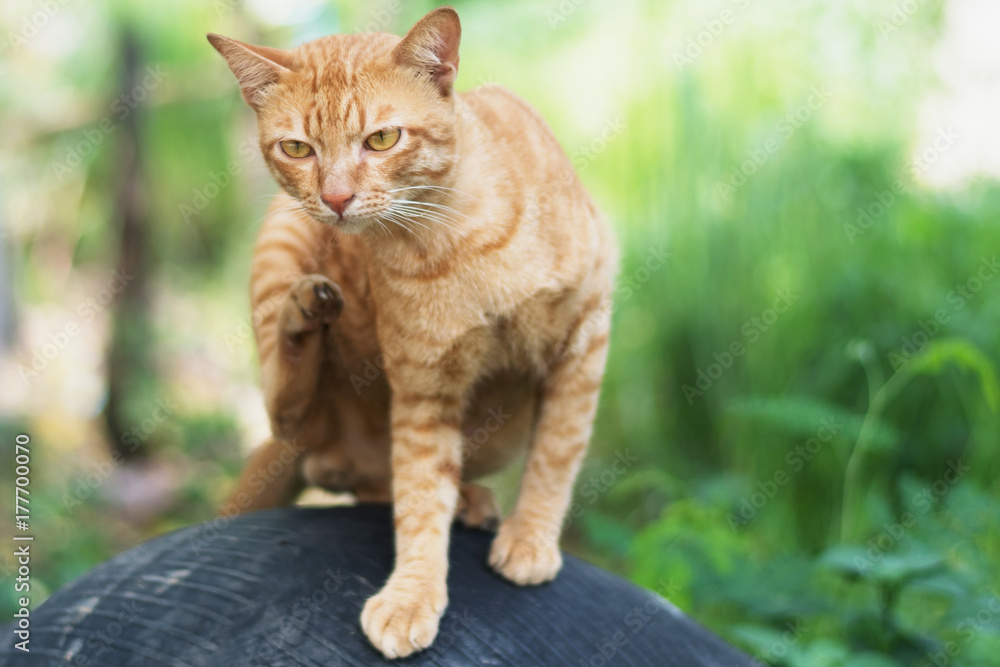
431 47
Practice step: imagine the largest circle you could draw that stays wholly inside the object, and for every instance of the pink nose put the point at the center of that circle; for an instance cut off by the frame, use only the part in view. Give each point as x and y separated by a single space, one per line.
338 201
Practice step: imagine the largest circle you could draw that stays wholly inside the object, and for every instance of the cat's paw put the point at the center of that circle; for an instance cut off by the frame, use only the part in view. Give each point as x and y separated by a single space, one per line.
477 507
525 553
313 300
403 617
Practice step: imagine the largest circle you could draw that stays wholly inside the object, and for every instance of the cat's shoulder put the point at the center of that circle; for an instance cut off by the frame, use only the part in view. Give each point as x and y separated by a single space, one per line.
492 97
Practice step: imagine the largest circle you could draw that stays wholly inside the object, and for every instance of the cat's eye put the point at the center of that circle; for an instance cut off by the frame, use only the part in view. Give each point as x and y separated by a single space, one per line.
293 148
383 139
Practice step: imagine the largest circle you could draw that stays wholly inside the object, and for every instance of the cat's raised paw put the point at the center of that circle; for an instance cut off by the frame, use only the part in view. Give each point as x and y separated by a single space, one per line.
313 300
403 617
525 554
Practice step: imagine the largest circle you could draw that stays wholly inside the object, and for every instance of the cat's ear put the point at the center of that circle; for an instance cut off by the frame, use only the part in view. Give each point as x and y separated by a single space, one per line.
431 47
255 67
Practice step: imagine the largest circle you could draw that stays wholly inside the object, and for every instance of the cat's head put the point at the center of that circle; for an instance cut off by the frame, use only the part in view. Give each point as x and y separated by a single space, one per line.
349 123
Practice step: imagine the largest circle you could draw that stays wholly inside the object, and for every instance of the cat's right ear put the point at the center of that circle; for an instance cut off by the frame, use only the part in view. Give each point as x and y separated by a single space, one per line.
431 47
255 67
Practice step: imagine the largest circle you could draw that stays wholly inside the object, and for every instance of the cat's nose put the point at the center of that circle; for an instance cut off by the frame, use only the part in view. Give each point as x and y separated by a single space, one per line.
337 201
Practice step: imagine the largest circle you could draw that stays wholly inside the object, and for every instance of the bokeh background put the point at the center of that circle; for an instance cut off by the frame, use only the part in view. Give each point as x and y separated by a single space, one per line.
803 372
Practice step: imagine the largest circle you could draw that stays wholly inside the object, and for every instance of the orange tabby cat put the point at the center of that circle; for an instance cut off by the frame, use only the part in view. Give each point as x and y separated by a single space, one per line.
443 237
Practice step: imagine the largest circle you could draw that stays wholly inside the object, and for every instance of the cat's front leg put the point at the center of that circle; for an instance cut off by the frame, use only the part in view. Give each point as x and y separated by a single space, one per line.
427 405
526 548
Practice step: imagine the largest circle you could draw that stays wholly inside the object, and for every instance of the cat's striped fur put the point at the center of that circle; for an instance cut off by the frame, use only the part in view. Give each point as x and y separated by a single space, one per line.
469 263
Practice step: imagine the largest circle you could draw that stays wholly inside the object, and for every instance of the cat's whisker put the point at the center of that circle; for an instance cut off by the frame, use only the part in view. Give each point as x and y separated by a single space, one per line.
429 215
413 215
405 229
294 207
280 194
387 232
412 218
432 205
288 207
432 187
400 222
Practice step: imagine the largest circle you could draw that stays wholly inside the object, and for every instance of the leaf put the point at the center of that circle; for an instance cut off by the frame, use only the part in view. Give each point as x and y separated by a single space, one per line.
758 638
607 532
900 568
845 558
884 567
943 583
868 659
802 417
825 653
645 481
938 354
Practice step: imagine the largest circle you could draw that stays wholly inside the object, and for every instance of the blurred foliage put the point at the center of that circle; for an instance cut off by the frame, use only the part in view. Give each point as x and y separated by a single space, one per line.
807 381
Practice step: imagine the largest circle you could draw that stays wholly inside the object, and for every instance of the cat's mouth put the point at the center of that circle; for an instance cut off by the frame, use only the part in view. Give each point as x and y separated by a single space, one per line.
349 222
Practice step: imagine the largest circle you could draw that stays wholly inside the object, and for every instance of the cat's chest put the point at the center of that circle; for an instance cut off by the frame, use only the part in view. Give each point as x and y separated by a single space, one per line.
524 336
533 335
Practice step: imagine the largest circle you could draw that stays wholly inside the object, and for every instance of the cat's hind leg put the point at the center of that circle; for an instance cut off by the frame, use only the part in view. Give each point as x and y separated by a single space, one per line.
477 507
271 478
291 343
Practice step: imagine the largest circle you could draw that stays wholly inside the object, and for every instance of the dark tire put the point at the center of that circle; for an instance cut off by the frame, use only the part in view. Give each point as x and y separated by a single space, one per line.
286 587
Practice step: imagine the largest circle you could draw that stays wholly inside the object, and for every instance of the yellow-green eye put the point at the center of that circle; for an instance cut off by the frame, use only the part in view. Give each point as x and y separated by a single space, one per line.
293 148
383 139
